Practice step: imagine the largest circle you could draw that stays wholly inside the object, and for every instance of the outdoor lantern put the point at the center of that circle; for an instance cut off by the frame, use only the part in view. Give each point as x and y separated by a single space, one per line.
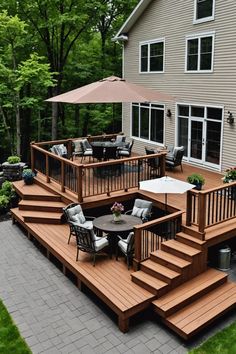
168 113
230 118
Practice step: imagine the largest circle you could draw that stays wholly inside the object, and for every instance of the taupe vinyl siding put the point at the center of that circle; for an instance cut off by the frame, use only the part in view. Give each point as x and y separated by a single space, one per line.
173 20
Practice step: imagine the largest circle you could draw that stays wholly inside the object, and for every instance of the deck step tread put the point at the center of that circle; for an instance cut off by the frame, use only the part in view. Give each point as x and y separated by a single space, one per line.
156 267
191 238
27 202
170 258
181 247
189 289
148 279
41 214
192 318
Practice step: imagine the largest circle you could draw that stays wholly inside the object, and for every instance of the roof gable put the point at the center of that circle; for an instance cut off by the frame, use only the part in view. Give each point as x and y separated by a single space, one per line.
134 16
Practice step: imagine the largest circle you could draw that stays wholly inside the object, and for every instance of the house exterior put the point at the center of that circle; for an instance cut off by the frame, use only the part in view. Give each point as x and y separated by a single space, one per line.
186 49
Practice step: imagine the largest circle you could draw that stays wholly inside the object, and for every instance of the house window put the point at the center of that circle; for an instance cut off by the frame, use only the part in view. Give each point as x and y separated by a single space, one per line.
199 53
204 10
152 56
148 122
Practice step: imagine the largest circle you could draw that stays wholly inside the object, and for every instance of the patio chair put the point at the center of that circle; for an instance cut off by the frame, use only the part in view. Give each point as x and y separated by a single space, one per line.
126 246
98 152
88 241
153 163
75 217
86 149
141 209
175 159
120 139
126 151
77 148
59 150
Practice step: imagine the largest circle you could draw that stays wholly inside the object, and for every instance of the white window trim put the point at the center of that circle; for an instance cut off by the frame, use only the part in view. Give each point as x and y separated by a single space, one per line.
146 141
204 19
199 36
158 40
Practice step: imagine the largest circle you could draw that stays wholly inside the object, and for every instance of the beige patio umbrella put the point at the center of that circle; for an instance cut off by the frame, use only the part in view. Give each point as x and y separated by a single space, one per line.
111 90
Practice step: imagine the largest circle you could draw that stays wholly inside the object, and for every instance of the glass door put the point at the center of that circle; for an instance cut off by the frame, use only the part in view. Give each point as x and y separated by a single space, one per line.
196 140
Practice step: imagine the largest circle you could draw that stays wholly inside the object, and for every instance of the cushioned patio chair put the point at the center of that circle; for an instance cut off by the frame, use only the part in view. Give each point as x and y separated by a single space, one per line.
75 217
88 241
142 209
77 148
126 246
120 139
59 150
86 149
126 151
175 159
153 163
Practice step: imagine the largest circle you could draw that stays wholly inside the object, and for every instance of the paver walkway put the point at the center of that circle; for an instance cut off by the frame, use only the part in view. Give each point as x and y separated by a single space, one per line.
55 317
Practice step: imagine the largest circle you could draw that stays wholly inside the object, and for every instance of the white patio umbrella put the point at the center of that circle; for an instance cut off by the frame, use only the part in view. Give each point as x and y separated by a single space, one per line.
165 185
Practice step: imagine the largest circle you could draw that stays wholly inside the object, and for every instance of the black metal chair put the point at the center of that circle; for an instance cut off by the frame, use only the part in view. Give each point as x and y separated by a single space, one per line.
126 246
88 241
126 151
86 149
142 209
75 217
153 163
176 159
98 152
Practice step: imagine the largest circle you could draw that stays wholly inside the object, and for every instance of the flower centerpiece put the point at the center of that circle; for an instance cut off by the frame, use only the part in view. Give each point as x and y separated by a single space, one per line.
116 210
229 175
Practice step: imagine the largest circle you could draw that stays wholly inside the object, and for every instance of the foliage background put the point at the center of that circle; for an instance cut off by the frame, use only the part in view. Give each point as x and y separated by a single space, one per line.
50 47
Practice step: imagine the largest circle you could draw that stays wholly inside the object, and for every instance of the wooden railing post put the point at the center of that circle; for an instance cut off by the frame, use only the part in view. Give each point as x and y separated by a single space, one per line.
62 176
69 148
47 169
137 248
201 212
32 157
189 208
79 183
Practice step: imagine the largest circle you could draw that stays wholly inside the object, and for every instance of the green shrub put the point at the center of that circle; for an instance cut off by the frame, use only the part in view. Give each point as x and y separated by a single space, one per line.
4 203
196 178
13 159
8 190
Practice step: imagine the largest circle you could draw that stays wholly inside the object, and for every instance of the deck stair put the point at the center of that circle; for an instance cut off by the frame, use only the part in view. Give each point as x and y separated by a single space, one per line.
195 304
39 205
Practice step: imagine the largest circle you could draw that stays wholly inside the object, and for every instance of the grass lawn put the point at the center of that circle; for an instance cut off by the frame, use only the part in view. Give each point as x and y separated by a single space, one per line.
223 342
10 340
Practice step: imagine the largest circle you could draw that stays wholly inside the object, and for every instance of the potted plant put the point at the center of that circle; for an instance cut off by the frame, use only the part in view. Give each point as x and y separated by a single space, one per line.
28 176
230 176
12 168
197 179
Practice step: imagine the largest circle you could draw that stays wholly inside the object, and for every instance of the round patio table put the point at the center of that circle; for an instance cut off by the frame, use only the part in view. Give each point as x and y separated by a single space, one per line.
106 223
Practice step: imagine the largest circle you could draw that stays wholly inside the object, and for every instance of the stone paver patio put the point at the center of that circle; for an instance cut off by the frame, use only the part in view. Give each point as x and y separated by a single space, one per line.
55 317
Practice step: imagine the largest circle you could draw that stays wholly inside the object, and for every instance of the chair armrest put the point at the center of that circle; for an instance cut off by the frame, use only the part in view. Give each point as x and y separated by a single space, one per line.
120 238
128 212
89 217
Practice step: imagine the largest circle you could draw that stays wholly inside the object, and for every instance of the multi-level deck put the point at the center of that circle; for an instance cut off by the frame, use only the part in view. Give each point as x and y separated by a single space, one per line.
170 274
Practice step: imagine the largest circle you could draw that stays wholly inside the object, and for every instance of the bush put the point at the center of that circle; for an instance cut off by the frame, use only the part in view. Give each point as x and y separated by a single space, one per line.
13 159
8 190
196 178
4 203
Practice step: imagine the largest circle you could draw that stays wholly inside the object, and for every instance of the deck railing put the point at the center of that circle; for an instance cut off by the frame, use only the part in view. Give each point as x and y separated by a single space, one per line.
150 235
92 179
211 207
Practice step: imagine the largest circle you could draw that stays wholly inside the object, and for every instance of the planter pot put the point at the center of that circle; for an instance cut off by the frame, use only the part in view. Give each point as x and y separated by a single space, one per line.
12 172
198 186
29 180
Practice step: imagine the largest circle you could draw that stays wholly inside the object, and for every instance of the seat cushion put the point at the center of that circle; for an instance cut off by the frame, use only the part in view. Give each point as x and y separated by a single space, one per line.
100 243
123 246
138 212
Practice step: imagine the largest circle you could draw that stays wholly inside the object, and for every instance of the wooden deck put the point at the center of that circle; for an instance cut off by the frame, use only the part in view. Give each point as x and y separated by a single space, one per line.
128 292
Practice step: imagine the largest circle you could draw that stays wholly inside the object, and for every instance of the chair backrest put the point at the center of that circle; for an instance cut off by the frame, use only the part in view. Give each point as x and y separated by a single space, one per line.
110 152
85 144
142 208
130 243
74 213
84 238
77 146
120 139
98 152
178 155
153 162
131 145
60 149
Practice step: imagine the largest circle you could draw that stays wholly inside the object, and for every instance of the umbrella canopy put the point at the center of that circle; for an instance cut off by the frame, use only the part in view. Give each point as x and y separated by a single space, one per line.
111 90
165 185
